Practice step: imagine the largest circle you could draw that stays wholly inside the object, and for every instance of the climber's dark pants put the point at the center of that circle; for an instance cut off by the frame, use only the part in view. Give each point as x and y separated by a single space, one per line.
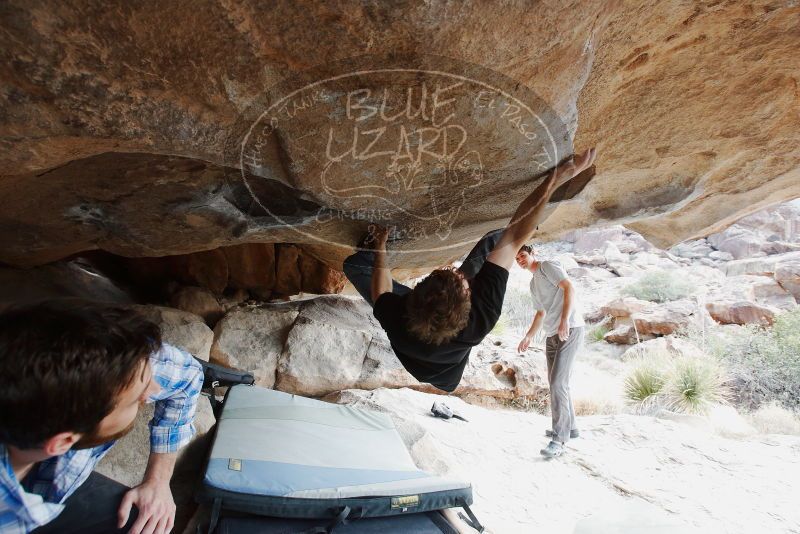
358 267
92 509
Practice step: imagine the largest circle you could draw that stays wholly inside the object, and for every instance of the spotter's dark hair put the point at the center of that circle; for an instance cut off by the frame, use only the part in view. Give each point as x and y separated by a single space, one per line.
63 364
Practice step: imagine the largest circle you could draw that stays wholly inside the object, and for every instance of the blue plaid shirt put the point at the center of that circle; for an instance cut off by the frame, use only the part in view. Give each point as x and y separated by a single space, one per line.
55 479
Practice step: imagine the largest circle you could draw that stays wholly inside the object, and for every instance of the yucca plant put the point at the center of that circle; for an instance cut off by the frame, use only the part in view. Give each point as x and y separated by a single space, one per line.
645 382
694 384
598 333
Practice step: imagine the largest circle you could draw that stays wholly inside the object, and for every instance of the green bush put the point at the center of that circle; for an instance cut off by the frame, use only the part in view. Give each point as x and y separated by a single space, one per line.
659 286
763 363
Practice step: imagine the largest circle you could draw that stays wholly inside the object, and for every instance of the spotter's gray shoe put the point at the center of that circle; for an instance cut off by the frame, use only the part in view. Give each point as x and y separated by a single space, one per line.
574 433
553 449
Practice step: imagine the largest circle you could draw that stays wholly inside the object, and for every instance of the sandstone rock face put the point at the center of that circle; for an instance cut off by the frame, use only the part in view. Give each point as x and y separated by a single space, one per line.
625 307
669 318
233 298
567 262
133 155
198 301
772 231
624 334
787 274
764 266
297 270
319 278
741 312
671 345
637 320
630 75
769 232
251 266
336 343
496 373
318 346
758 289
308 347
63 279
381 368
181 329
324 355
208 269
127 461
693 250
289 280
252 339
595 239
613 254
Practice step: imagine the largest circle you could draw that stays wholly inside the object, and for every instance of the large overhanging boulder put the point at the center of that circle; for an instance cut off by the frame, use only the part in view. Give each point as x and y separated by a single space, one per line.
171 128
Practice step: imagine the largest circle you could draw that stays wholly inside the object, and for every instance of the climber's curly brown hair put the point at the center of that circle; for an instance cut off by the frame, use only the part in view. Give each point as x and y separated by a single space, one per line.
437 309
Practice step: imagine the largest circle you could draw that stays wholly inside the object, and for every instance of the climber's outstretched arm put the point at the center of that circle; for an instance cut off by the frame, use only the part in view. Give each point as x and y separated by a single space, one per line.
530 212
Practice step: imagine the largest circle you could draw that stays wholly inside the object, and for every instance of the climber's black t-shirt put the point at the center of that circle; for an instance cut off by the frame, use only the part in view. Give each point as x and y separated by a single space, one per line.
443 365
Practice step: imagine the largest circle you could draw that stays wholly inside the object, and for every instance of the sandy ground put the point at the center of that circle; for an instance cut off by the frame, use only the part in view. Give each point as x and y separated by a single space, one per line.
626 473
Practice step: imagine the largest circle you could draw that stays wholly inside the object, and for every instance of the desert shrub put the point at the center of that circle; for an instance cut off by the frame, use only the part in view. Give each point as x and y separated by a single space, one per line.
763 363
659 286
694 384
531 403
517 312
786 334
772 418
687 384
645 381
501 326
598 333
595 406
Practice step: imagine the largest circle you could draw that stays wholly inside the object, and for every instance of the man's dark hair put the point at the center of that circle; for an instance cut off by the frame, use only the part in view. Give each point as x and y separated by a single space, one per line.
63 364
437 309
525 248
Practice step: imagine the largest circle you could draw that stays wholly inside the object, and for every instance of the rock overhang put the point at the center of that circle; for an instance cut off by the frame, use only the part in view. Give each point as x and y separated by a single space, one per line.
677 160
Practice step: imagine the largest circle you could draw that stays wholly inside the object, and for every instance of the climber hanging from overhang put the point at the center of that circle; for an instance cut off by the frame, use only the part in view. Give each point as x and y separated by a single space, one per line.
433 326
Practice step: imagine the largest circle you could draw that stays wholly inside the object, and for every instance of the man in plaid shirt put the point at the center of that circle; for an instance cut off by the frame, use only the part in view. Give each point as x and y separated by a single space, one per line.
73 378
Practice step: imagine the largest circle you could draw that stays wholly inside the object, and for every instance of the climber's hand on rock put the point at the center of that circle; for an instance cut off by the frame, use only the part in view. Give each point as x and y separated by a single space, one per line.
573 167
380 235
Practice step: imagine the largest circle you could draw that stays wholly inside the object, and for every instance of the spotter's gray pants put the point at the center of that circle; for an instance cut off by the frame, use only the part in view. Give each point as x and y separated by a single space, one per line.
560 357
